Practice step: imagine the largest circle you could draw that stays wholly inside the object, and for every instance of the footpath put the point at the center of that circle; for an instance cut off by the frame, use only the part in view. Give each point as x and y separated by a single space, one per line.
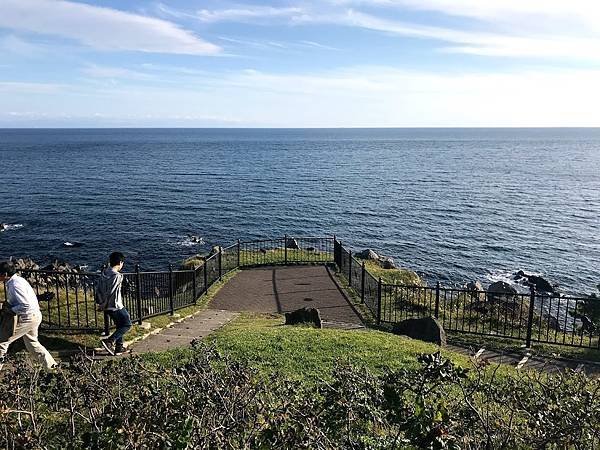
182 332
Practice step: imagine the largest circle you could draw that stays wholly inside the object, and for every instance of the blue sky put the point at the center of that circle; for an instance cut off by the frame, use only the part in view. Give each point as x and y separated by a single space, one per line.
330 63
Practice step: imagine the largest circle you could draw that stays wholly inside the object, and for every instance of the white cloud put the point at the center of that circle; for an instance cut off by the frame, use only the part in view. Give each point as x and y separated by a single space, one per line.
495 44
245 14
96 71
583 12
555 29
30 88
14 44
101 28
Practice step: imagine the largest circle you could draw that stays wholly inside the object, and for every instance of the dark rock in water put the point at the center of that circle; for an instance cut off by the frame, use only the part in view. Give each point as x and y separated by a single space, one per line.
541 285
291 243
45 297
427 329
387 263
310 249
304 315
501 289
3 226
367 254
262 250
520 274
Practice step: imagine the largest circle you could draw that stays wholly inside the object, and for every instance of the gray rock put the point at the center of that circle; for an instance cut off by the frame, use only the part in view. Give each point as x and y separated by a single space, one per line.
367 254
291 243
304 315
216 249
541 284
427 329
387 263
474 286
500 289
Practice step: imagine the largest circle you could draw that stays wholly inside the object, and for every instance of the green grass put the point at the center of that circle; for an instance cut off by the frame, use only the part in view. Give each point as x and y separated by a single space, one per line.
309 353
393 276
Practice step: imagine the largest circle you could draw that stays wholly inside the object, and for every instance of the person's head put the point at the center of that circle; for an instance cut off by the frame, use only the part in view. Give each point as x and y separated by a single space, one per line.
7 270
116 260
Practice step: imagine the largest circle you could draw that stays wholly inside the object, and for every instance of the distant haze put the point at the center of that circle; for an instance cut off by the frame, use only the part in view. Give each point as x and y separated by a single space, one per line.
312 63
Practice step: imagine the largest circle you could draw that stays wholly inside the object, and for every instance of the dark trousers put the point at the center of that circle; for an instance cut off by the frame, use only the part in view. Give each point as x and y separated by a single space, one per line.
122 321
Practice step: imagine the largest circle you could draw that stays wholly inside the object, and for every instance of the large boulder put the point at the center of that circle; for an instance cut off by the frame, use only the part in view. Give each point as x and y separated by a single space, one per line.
541 284
387 263
367 254
304 315
427 329
501 289
474 286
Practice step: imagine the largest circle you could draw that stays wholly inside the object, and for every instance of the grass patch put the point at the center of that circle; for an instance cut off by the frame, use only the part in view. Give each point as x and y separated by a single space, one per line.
393 276
310 353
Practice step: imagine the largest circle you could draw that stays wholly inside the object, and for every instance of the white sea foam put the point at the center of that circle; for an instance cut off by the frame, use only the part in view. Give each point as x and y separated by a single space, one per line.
191 241
11 226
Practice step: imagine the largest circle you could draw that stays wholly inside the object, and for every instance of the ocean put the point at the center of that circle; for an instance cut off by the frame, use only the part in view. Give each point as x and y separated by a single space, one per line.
454 205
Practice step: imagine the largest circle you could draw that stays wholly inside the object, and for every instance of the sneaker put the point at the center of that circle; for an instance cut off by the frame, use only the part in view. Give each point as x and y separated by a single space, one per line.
119 349
109 345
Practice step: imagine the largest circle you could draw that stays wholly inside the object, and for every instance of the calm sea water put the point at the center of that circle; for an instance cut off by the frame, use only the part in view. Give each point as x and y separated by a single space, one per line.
452 204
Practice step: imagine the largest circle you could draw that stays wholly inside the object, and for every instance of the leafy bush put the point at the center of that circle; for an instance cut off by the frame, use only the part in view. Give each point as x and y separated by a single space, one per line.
212 401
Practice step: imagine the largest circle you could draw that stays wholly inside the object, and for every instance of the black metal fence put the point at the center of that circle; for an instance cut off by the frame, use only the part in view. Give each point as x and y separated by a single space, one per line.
67 298
531 317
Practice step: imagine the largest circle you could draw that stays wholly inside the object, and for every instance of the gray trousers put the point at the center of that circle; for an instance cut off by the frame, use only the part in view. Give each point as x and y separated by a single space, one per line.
27 328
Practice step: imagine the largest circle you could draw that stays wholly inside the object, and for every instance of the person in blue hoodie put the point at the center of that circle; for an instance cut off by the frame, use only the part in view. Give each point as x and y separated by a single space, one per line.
110 299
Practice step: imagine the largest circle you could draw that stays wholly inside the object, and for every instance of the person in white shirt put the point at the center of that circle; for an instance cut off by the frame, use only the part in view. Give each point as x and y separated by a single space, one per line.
23 302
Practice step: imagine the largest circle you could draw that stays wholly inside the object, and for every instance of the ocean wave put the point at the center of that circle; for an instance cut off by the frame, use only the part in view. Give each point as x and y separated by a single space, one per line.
191 241
10 226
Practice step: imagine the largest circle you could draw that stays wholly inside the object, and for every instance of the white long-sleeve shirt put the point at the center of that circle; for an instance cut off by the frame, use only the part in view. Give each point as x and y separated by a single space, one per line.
21 296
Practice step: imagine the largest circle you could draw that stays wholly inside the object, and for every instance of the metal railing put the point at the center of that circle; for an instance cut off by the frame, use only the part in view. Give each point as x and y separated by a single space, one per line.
67 298
531 317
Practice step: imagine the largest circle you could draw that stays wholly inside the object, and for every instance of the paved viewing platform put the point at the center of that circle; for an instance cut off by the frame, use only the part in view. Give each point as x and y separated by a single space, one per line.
283 289
262 290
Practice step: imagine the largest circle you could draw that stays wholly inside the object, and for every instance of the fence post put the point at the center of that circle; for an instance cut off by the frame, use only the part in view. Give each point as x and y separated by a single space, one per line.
194 287
205 277
138 293
171 300
350 268
379 301
530 317
285 248
362 283
238 251
334 249
437 300
220 263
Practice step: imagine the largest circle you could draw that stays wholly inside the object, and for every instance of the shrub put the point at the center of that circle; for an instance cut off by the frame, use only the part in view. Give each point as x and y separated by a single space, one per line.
212 401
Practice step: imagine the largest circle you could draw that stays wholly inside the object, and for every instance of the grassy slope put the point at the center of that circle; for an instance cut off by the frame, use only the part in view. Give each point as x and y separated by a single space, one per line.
309 353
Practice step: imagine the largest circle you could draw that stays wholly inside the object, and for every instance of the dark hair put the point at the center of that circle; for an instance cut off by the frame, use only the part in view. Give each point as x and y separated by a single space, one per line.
116 258
7 268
